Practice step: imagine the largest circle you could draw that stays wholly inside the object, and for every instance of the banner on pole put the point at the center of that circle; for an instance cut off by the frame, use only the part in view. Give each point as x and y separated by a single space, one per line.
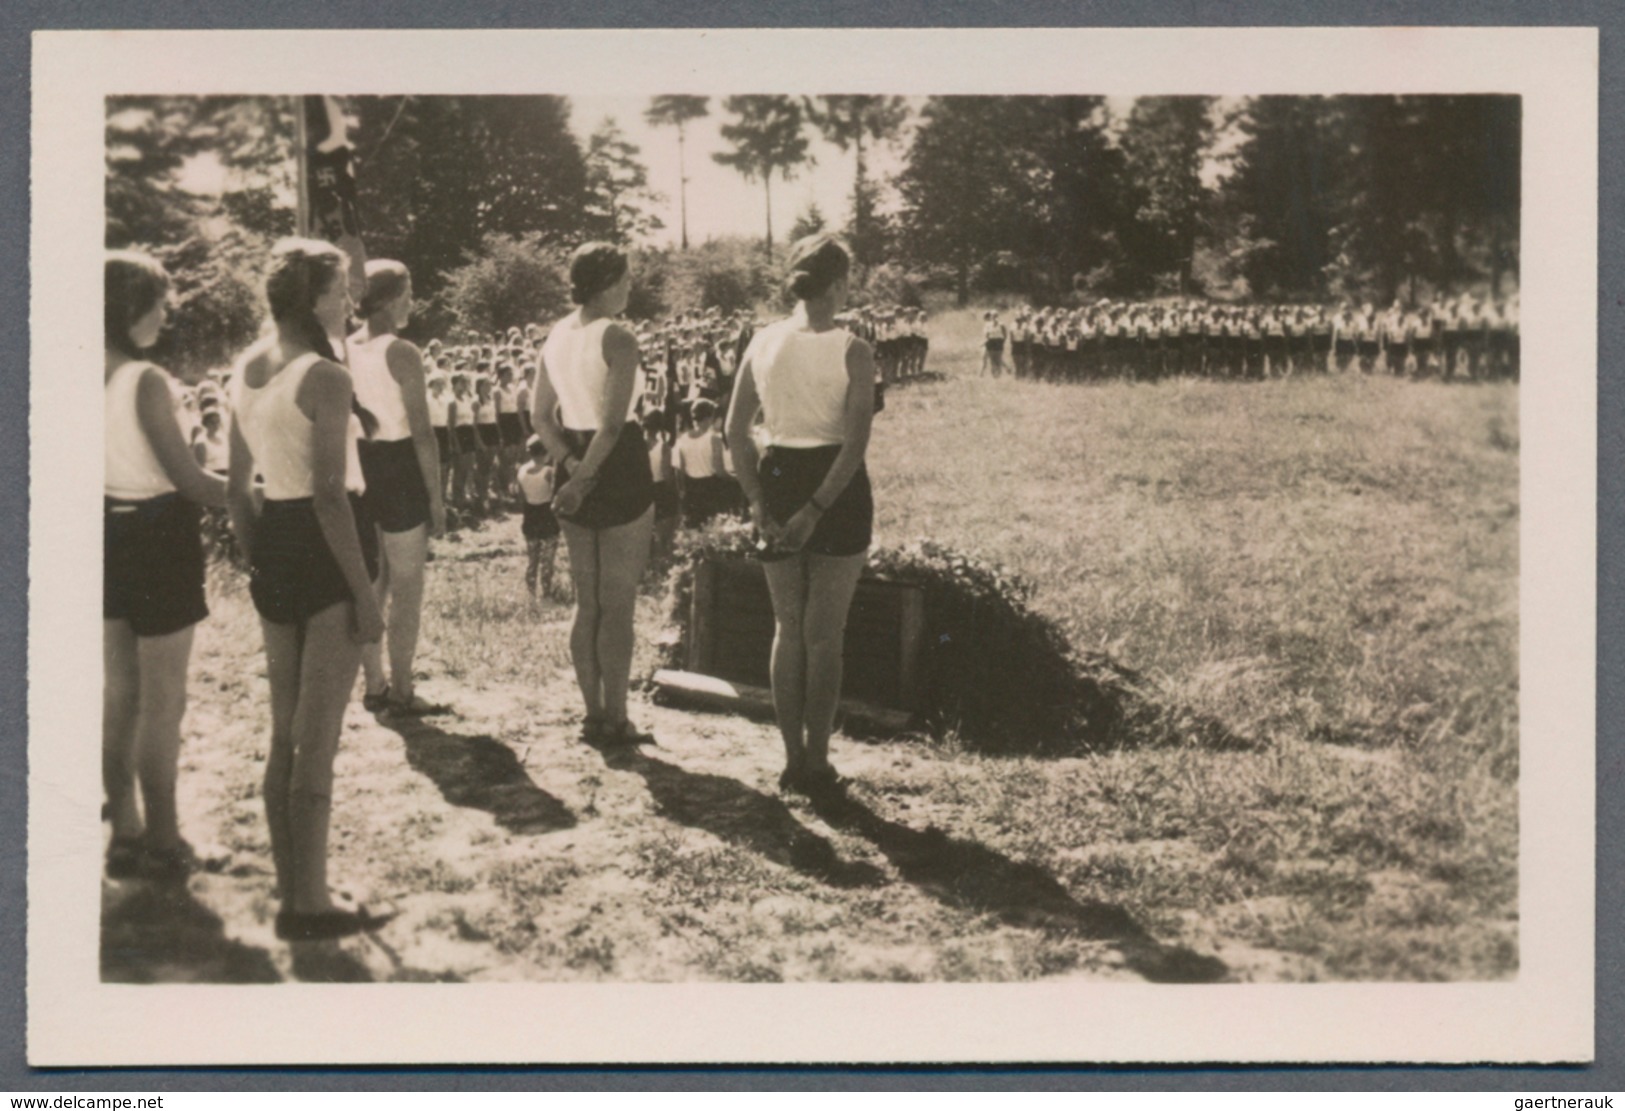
329 184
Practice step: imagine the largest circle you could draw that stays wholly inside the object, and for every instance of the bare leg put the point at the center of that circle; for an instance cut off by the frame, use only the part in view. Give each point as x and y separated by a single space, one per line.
787 584
282 665
405 554
583 546
831 583
534 548
121 706
326 675
372 655
163 662
623 553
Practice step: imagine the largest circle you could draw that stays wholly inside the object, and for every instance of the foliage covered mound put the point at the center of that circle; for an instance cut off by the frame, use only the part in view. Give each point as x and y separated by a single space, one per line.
996 675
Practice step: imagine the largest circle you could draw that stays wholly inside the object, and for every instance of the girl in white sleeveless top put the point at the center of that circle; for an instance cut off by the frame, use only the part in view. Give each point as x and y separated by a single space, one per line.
152 578
439 402
813 385
313 555
585 398
402 467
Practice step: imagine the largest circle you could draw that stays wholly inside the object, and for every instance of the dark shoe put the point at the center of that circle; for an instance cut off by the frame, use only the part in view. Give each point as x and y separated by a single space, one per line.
326 925
124 858
822 783
376 703
174 865
623 735
416 707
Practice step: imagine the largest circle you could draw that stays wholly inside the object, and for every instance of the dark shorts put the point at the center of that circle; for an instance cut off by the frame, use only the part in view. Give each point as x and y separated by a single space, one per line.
665 495
996 346
702 499
397 497
465 439
539 522
490 436
152 564
791 476
292 573
625 487
509 428
442 441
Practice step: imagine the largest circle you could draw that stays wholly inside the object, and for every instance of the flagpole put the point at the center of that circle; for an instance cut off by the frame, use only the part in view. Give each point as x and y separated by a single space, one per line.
301 174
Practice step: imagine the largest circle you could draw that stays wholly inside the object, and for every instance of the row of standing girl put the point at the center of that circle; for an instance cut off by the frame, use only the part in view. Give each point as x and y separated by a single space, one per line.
349 492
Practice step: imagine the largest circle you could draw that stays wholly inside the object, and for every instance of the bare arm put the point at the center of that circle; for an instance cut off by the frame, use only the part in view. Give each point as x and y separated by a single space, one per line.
240 488
155 411
857 421
406 367
741 415
325 396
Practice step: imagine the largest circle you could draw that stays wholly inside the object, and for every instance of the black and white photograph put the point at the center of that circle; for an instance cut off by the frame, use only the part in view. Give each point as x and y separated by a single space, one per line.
1013 553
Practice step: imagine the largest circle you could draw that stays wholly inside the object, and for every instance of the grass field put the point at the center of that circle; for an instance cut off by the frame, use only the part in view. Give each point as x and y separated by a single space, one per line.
1328 566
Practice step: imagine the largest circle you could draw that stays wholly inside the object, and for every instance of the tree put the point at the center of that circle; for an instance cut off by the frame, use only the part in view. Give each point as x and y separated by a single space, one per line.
958 208
849 122
213 246
767 139
618 184
1164 144
676 111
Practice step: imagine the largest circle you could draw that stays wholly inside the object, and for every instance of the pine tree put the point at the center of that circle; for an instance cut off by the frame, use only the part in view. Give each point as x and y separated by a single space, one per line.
767 138
677 111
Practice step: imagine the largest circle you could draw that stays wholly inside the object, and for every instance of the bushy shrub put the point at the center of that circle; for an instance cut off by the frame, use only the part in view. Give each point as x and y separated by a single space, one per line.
1002 677
890 284
513 281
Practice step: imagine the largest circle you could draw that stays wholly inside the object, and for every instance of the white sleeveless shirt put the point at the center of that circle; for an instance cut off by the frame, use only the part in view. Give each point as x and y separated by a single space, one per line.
133 470
574 354
376 388
281 438
439 408
802 381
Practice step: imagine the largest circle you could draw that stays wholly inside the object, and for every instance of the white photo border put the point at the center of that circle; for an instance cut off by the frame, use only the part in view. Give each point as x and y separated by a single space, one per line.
1544 1015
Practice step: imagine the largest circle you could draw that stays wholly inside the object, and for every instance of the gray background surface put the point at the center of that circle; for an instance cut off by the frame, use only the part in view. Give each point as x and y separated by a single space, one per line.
18 18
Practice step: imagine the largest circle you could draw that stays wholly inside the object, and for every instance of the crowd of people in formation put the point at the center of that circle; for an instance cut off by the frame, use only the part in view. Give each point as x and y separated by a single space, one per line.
1449 337
335 446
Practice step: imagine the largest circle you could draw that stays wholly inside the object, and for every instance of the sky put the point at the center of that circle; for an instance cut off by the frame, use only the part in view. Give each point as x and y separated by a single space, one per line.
720 201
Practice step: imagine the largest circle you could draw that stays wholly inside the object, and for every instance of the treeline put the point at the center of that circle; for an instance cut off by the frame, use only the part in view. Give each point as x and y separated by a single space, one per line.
1054 198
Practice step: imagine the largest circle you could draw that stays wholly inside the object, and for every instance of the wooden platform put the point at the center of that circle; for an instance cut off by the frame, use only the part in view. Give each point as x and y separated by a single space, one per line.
730 640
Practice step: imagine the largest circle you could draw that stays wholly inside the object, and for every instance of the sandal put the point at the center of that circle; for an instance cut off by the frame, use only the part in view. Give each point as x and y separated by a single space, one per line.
376 703
326 925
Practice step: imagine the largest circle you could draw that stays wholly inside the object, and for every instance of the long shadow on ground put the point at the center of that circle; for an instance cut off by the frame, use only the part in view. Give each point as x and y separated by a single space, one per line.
973 877
728 809
155 934
481 773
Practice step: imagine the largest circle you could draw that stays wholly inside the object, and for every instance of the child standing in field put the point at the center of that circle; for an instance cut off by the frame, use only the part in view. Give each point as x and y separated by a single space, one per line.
539 526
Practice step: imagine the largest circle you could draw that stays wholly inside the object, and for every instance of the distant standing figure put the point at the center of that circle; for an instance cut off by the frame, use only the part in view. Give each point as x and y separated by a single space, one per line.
539 526
992 344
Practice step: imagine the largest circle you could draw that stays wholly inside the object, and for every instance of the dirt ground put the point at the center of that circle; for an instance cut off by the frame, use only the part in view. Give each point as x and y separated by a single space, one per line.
510 850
